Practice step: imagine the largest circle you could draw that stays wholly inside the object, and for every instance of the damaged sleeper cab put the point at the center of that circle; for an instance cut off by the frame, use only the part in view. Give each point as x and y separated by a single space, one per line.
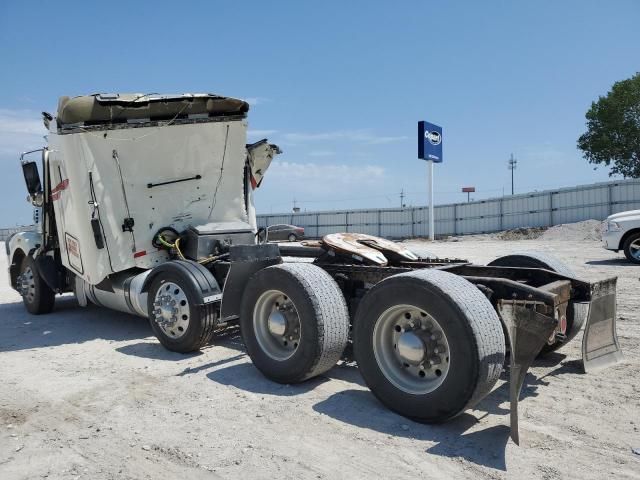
146 207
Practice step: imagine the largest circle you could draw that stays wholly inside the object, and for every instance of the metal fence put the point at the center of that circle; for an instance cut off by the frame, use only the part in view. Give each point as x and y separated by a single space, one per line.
535 209
6 232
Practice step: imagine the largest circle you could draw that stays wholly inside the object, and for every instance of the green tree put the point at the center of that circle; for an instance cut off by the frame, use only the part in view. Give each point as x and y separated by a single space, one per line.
613 129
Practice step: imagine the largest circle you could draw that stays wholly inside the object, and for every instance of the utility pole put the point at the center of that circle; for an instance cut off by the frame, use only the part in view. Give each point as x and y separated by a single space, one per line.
512 166
402 198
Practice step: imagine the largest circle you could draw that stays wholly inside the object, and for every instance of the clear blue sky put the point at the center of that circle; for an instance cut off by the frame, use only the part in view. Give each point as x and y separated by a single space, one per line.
339 85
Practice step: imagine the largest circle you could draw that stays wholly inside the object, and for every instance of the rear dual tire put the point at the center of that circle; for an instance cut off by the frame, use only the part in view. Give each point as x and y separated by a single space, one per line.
469 350
294 322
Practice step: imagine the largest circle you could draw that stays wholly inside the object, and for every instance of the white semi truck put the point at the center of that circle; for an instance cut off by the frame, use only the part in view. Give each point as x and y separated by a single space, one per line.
146 206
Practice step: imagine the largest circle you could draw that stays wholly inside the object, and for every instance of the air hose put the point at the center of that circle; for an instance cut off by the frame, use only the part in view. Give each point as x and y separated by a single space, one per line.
160 241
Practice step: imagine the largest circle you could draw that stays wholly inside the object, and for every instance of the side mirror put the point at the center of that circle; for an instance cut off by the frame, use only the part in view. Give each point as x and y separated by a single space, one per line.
32 178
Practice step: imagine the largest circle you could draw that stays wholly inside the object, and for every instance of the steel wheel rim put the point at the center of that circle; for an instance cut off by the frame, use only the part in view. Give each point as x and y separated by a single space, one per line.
28 285
411 349
171 310
634 249
276 324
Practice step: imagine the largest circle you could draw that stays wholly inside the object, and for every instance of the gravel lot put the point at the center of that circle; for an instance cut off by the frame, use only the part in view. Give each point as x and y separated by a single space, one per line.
89 393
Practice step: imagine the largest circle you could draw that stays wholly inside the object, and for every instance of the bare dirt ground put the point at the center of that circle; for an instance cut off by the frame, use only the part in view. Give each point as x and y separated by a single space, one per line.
89 393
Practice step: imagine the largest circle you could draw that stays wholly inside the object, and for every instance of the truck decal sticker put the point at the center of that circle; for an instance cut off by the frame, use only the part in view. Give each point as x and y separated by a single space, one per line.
73 253
55 193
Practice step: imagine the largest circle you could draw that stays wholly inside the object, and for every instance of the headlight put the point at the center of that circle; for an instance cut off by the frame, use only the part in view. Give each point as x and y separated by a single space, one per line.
612 227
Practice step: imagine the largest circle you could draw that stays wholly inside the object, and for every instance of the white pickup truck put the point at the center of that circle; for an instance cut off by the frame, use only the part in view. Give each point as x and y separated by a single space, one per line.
621 231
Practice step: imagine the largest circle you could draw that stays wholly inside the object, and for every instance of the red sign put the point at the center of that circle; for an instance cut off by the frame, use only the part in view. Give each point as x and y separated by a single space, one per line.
468 189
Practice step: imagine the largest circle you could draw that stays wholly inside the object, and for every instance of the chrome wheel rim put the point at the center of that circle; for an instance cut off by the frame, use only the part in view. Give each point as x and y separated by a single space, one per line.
276 324
411 349
634 249
27 286
171 310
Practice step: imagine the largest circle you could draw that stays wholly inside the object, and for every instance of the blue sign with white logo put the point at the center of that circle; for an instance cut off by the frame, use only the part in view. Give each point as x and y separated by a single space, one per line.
429 142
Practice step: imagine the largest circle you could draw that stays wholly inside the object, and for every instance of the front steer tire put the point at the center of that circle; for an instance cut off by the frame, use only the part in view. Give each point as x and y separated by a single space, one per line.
37 296
315 322
475 343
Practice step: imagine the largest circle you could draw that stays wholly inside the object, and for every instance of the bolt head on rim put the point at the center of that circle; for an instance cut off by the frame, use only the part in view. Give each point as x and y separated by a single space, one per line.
171 310
276 325
411 349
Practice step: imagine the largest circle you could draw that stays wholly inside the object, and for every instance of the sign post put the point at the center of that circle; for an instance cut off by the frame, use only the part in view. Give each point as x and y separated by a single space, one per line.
432 229
468 191
430 149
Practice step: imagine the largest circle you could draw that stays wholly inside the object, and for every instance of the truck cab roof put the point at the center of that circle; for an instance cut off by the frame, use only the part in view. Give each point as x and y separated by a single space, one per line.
112 108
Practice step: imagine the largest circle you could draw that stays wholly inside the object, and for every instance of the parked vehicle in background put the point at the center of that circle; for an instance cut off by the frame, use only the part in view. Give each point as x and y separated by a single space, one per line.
285 232
621 231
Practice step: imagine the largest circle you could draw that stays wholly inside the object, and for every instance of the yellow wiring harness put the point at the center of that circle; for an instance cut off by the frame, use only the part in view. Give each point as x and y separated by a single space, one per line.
176 245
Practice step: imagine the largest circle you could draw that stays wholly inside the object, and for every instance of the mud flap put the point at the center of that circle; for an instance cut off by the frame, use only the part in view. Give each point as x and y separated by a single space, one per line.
528 331
600 346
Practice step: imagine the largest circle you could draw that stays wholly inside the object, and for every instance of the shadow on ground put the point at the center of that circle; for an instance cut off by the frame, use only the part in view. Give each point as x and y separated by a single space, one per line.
67 324
246 377
615 262
154 350
360 408
70 323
